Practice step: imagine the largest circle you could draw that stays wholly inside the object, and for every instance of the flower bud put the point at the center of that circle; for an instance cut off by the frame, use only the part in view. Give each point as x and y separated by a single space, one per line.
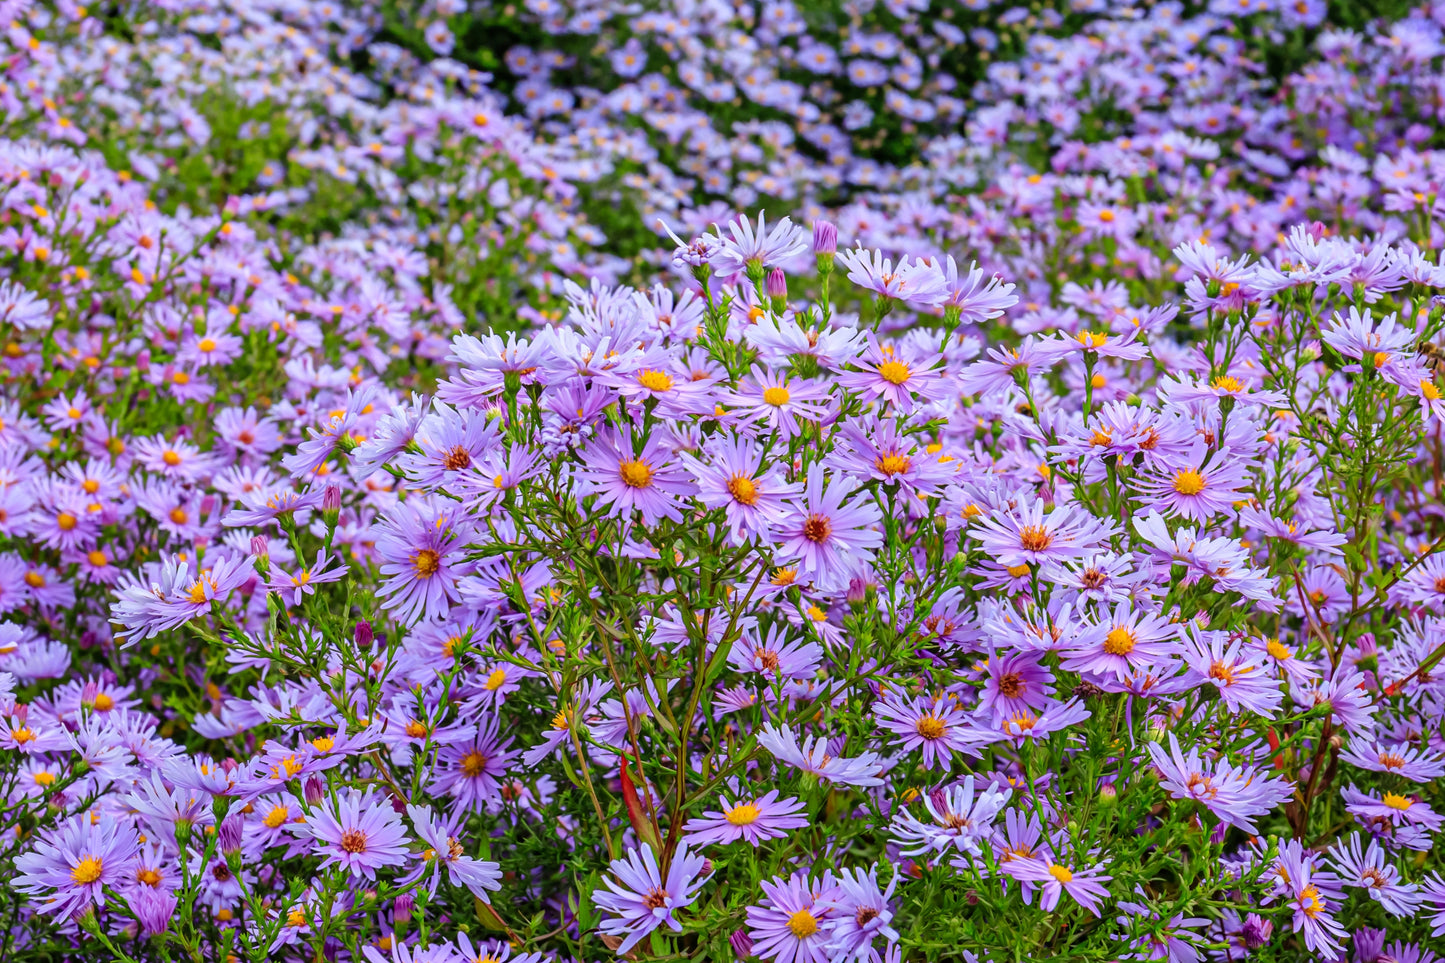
741 943
1256 931
331 500
314 790
364 635
825 238
260 547
777 288
402 908
228 836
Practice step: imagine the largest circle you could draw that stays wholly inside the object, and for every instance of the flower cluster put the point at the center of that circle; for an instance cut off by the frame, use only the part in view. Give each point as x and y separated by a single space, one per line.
1029 548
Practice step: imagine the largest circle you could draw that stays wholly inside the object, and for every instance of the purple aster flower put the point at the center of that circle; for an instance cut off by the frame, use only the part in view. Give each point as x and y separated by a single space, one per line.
858 913
72 864
1391 809
451 442
360 832
916 282
177 597
1313 894
755 819
812 756
975 299
937 727
445 849
1371 869
960 820
1234 669
877 449
734 479
789 925
153 908
772 656
1234 794
746 249
1013 684
626 479
640 900
895 374
1197 485
1433 890
1400 759
1055 717
420 547
828 534
1085 885
20 307
470 770
1028 536
1118 646
1344 693
777 401
303 581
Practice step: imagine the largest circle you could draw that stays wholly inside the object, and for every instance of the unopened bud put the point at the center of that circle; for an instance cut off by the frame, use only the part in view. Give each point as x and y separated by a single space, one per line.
741 943
825 238
314 790
777 288
228 836
402 908
364 635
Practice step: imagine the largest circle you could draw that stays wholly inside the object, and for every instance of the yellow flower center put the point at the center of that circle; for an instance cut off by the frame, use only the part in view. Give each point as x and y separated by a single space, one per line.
655 380
1396 801
1061 873
635 474
743 489
893 464
777 397
1278 649
87 870
743 815
894 372
1119 641
473 763
496 680
276 817
802 924
1189 482
427 562
1226 383
931 727
1035 538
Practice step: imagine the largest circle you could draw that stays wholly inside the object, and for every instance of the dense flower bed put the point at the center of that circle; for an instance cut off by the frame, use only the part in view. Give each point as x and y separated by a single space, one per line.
448 519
